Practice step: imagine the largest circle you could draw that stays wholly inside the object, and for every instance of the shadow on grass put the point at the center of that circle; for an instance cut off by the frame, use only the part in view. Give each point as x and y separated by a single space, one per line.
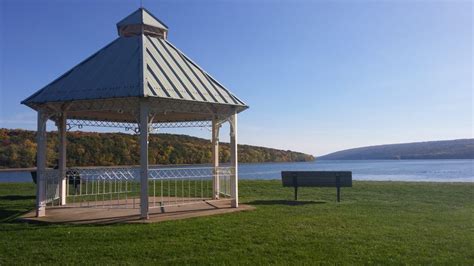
284 202
8 216
12 207
17 197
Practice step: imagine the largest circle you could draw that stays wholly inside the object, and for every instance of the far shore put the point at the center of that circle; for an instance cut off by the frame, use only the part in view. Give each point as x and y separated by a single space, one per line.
29 169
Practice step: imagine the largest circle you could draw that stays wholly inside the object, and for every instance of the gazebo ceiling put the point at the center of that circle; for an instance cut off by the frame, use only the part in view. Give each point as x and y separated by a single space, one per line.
140 64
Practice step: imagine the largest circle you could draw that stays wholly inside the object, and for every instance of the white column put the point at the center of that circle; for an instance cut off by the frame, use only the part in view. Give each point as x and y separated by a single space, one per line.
144 112
62 158
215 158
41 165
234 179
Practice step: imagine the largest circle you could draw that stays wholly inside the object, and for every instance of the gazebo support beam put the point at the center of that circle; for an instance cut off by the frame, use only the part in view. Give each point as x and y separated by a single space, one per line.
215 158
234 179
144 127
41 164
62 158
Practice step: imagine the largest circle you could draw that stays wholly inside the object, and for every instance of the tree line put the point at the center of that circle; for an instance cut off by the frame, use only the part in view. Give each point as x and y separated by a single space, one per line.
18 150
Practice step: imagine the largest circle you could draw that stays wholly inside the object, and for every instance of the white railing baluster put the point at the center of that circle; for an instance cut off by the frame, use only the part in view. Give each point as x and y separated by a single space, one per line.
185 185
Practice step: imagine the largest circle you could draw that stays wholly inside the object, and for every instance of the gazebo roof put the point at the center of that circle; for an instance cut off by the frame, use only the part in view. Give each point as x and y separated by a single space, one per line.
141 63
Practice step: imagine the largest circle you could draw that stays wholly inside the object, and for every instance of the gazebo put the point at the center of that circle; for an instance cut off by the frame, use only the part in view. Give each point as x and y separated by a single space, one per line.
140 81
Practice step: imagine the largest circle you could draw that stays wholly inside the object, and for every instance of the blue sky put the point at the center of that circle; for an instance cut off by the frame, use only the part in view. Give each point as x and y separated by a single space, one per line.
319 76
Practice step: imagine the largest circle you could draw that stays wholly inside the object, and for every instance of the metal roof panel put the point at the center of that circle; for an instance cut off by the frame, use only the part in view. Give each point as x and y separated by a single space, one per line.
112 72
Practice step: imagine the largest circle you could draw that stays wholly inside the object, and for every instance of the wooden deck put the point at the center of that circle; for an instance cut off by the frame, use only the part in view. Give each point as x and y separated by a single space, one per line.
110 215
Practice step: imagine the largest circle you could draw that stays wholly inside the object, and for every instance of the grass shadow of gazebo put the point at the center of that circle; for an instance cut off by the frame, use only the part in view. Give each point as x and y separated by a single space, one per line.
285 202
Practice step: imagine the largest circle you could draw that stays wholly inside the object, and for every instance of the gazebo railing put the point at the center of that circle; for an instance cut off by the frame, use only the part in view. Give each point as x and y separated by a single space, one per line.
51 177
116 187
119 187
178 186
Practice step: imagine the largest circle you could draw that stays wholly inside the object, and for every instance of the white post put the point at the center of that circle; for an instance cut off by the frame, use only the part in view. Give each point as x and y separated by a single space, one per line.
41 165
234 181
215 158
144 112
62 158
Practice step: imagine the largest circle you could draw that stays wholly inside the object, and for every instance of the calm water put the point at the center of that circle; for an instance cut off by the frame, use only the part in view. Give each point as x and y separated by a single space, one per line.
381 170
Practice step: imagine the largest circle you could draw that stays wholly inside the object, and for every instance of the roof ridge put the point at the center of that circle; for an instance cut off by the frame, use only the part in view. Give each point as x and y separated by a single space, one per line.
153 16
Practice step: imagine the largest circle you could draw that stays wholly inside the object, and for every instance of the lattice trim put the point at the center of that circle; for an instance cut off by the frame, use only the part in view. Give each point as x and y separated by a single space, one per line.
182 124
72 123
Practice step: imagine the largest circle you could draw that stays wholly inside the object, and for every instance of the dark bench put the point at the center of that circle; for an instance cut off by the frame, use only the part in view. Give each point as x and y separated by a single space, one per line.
335 179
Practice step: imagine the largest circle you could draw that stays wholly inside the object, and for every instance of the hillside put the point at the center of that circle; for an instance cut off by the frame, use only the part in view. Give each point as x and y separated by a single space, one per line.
446 149
18 149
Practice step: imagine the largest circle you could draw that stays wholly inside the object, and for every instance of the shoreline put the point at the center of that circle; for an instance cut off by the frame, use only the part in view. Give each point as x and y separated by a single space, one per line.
438 171
241 163
354 181
29 169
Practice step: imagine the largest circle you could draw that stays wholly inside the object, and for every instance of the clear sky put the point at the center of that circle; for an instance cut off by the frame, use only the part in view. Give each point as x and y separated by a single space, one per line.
319 76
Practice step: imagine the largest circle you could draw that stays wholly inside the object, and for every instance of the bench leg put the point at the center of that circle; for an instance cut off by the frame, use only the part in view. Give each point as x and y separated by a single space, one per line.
338 194
296 193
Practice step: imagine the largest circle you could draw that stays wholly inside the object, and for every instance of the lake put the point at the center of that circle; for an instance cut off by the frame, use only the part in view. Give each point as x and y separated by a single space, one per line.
379 170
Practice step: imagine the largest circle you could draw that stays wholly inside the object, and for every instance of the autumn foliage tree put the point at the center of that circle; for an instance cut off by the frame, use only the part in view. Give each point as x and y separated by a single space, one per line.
18 149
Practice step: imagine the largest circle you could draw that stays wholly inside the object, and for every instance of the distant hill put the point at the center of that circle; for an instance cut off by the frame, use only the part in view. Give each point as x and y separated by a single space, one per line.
446 149
18 149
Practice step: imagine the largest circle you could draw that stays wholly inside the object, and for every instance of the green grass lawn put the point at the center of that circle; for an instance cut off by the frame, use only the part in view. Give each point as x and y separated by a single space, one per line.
376 222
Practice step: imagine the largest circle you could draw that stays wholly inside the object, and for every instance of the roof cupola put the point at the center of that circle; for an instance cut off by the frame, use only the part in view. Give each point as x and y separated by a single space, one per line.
142 22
